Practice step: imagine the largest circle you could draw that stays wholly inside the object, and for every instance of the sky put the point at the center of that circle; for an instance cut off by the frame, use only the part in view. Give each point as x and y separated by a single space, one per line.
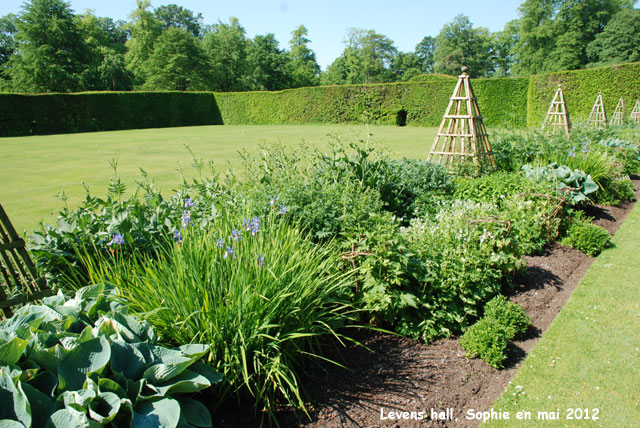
328 21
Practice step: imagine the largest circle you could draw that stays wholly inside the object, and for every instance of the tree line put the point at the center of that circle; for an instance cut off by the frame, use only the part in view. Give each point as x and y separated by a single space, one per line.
46 47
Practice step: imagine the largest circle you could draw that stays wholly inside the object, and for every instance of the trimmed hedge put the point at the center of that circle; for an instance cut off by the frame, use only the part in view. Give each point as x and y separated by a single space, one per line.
104 111
511 102
581 88
503 102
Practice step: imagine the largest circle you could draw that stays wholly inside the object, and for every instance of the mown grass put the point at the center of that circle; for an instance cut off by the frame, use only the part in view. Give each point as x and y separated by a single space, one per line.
588 358
34 169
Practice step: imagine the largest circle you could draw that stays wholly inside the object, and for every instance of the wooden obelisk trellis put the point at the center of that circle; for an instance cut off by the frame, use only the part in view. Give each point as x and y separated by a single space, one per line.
19 280
462 135
598 116
557 116
618 114
635 113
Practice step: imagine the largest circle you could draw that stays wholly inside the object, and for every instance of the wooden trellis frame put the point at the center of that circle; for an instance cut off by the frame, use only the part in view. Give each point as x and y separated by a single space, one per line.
19 280
557 115
618 114
462 135
635 113
598 115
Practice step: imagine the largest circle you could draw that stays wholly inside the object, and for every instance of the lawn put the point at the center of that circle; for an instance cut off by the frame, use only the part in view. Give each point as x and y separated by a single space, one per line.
36 168
585 367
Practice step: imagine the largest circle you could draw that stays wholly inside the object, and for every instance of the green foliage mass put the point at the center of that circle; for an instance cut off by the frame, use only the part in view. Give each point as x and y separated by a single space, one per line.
587 237
103 111
488 338
86 361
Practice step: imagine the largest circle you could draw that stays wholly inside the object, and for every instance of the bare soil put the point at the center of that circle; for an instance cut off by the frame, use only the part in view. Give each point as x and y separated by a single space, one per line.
401 374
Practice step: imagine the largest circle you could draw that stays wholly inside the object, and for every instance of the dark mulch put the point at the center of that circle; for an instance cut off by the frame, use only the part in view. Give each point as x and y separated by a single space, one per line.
407 375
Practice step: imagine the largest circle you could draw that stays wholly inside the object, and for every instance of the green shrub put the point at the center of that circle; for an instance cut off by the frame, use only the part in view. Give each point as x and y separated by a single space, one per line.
508 314
488 340
462 256
258 291
577 183
86 362
587 237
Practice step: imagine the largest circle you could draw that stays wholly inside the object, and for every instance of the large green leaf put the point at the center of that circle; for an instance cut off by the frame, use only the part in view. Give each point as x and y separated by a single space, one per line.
104 407
15 405
89 357
7 423
173 362
163 413
41 405
195 412
130 359
185 382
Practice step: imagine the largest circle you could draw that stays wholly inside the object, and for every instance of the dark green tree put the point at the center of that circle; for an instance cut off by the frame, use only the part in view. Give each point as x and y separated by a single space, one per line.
305 70
269 66
50 49
144 31
226 47
554 34
406 65
424 51
458 44
178 63
336 73
619 42
172 15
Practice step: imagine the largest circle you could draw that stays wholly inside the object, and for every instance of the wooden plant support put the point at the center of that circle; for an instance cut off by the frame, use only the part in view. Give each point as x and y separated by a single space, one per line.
557 116
598 116
618 114
635 113
19 280
462 135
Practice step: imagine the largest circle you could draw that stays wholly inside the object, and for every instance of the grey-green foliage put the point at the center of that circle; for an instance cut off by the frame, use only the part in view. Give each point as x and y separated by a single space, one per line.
85 362
578 184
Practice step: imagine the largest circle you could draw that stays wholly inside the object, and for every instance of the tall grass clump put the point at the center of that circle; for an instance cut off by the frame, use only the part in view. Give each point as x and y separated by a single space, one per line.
257 290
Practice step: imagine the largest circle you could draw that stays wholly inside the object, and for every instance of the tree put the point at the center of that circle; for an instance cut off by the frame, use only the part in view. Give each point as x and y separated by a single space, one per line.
145 30
50 49
458 44
406 65
554 34
424 51
178 63
8 30
269 67
619 42
226 47
173 15
504 43
336 73
305 70
368 56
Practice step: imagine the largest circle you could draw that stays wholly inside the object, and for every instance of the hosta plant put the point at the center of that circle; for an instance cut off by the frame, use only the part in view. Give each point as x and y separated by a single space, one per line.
85 362
578 184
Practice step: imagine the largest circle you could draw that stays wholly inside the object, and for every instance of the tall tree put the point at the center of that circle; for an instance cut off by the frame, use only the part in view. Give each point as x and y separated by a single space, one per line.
8 30
620 40
336 73
368 56
406 65
145 30
504 43
172 15
178 62
269 67
458 44
226 46
305 70
425 50
554 34
50 49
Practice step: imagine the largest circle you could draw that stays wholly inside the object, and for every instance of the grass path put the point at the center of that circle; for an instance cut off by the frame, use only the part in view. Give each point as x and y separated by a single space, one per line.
34 169
589 358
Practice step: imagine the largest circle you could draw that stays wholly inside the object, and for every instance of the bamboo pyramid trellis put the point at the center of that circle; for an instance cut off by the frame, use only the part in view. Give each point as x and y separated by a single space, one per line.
635 113
598 116
558 115
462 135
618 114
